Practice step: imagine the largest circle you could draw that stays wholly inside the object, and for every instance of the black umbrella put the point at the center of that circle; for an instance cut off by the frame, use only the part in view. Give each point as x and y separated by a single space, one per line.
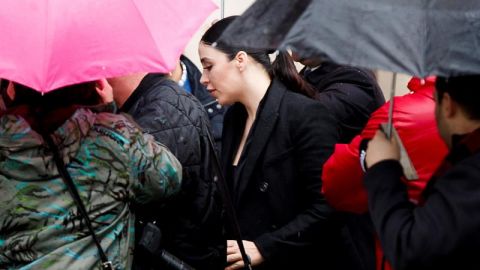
418 37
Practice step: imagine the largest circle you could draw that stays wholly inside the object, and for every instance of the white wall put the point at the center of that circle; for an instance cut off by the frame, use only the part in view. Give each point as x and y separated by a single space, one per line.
385 79
231 7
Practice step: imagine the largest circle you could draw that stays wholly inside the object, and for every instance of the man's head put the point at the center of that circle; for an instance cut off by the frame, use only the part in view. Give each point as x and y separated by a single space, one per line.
124 86
312 61
457 105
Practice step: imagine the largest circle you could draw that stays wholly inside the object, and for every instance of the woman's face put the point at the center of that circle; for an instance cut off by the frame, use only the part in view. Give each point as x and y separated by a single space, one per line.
220 74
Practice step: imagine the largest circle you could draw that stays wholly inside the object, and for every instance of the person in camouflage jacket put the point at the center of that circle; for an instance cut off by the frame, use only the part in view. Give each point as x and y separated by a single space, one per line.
112 164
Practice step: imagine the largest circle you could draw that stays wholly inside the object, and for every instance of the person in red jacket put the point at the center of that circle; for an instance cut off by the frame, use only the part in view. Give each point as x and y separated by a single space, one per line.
414 120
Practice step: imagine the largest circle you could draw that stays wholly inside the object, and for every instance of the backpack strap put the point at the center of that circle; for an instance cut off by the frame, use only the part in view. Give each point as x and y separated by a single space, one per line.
62 170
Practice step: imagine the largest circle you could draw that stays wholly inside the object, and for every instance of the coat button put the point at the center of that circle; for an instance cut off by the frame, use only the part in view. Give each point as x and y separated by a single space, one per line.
219 106
210 110
263 186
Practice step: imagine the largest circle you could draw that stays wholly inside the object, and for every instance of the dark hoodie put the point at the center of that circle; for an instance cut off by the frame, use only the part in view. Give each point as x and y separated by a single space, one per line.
350 93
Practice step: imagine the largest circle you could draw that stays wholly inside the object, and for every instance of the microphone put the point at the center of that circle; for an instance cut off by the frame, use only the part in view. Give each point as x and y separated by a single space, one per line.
174 262
150 244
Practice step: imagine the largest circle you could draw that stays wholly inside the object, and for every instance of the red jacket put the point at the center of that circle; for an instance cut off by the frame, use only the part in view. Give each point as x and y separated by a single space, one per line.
414 120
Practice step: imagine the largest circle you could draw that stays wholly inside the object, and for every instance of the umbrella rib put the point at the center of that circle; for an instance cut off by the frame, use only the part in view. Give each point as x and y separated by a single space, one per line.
390 108
149 32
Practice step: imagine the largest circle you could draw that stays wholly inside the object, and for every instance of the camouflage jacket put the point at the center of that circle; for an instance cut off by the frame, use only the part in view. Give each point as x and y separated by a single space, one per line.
112 164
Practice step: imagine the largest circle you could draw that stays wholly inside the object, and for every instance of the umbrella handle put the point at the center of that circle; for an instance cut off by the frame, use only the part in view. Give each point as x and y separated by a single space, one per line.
390 109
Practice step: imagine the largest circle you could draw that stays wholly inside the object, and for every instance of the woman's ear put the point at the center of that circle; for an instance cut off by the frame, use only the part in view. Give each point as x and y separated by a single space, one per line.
241 59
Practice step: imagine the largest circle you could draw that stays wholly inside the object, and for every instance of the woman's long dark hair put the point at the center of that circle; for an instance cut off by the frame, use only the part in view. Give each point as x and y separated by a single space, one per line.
283 68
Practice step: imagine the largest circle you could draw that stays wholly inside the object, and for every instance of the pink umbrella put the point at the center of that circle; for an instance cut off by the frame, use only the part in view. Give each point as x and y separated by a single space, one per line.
47 44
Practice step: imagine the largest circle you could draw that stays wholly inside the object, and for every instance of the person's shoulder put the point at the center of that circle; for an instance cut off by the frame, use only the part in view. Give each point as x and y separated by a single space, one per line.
118 122
289 94
300 101
471 162
333 74
354 73
168 91
165 87
173 99
300 108
462 176
120 128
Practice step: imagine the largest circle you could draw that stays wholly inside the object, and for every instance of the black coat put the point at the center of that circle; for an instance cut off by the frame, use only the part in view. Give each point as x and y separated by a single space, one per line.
277 189
442 233
351 94
192 224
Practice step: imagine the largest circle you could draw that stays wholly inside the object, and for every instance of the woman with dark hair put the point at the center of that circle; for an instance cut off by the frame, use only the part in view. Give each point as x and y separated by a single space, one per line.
111 164
274 143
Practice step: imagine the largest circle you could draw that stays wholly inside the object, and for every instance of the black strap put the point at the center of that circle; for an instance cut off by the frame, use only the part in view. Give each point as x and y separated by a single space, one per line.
224 192
62 170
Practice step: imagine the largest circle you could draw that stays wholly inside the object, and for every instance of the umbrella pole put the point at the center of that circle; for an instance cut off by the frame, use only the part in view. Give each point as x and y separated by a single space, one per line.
390 109
222 9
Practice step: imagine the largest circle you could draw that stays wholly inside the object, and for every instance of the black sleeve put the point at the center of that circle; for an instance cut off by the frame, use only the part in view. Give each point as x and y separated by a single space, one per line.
420 237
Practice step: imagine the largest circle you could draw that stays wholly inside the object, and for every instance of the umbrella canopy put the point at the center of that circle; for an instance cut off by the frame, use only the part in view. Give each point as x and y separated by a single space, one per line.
417 37
47 44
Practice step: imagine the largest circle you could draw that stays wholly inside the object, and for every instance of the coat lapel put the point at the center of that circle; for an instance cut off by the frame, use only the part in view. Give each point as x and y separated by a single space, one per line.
232 131
266 121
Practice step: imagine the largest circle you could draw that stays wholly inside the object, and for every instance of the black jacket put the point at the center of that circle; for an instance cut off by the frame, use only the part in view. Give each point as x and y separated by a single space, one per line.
351 94
276 187
192 224
444 231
